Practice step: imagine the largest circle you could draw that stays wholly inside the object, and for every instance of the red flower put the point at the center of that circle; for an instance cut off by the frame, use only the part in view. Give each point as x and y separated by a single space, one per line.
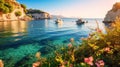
89 60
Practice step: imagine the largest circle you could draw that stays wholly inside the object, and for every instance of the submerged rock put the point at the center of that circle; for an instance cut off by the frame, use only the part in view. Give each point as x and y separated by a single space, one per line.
46 49
65 41
26 61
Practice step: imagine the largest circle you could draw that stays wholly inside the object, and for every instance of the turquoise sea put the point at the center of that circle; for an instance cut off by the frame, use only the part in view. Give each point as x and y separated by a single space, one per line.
20 40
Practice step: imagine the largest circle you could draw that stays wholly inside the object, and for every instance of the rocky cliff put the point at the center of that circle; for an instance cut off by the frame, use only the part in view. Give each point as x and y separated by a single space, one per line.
12 10
113 13
38 14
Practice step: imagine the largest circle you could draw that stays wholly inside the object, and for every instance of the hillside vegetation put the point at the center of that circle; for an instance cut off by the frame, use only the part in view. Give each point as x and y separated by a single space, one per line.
9 9
32 11
5 7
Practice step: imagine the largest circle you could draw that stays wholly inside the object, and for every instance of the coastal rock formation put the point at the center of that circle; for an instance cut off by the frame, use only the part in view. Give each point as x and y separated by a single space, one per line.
113 13
38 14
12 10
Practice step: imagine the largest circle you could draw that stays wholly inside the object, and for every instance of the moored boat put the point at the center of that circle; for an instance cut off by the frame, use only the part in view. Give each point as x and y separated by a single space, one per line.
80 21
58 21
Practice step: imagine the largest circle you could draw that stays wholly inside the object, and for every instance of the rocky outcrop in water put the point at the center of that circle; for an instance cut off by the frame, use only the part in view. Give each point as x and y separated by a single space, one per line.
113 13
12 10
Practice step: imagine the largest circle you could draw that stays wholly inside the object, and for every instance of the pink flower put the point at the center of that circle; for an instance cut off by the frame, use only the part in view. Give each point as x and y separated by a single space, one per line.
1 63
65 62
36 64
71 65
71 39
62 66
89 60
98 30
107 49
70 45
69 52
100 63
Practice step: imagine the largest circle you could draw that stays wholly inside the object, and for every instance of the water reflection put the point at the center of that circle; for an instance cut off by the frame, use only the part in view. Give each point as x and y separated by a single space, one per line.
11 31
5 26
14 27
46 23
59 25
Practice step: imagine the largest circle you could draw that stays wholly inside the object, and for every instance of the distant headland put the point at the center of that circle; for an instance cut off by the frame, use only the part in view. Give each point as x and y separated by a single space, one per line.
38 14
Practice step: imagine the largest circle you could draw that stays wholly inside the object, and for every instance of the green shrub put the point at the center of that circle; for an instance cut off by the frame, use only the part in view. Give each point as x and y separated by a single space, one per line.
1 1
24 6
6 10
9 6
18 13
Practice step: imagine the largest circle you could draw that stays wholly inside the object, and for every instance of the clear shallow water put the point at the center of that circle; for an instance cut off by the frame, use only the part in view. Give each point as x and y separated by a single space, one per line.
19 39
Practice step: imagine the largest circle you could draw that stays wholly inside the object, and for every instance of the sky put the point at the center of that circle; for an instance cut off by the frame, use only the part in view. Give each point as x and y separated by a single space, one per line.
72 8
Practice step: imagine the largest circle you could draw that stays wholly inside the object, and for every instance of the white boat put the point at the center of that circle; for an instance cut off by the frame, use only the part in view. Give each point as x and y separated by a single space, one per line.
80 21
58 21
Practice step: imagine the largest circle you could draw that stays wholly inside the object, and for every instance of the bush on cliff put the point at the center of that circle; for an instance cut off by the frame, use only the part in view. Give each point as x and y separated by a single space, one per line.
18 13
24 6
